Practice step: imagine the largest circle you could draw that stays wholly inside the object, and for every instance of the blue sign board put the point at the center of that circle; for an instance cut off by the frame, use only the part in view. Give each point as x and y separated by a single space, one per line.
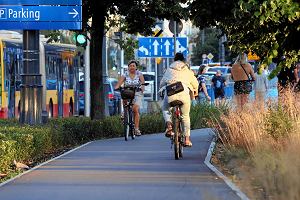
40 2
161 47
40 17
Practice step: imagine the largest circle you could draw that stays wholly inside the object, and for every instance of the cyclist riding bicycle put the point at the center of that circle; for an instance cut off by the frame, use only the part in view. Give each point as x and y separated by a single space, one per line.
134 77
179 72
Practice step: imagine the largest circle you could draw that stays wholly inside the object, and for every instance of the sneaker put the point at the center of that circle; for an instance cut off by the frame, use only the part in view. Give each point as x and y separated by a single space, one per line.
138 132
169 130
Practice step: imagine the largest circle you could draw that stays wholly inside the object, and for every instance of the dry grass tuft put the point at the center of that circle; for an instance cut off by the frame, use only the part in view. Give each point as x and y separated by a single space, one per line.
270 135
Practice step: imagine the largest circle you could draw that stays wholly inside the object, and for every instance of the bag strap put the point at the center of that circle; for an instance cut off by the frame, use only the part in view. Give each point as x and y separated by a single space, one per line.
245 72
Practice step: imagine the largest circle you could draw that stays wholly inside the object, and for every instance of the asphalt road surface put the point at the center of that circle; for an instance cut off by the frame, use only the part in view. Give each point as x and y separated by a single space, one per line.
113 169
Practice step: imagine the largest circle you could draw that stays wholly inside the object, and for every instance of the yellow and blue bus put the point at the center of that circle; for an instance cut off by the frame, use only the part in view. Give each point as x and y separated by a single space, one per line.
59 65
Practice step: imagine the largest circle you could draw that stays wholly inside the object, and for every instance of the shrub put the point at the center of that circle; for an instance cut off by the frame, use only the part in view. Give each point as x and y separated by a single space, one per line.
112 127
152 123
23 141
203 114
7 152
278 123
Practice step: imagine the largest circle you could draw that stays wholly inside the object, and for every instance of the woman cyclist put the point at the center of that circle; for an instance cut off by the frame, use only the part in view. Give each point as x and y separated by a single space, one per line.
179 71
134 77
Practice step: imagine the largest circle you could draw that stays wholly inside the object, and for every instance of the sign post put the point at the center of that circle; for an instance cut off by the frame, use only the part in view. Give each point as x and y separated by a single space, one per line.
175 27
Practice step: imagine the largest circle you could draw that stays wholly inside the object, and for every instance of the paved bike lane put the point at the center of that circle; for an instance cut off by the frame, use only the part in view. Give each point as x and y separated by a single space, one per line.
113 169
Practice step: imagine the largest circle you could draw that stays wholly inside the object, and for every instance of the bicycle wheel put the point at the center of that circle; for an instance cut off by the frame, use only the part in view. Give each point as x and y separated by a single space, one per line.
126 124
176 139
180 139
131 124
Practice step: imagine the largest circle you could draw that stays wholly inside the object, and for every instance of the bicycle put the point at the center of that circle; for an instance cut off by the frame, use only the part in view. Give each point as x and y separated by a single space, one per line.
178 138
127 95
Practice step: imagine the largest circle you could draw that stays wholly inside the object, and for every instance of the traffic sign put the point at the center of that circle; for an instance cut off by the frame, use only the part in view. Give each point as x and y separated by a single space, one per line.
179 26
161 47
210 56
40 2
37 17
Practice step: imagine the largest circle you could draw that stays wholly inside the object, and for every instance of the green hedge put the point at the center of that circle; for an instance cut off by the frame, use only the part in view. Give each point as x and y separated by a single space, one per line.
31 143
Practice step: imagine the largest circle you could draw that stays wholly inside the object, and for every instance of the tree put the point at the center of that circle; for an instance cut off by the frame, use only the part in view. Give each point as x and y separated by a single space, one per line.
209 45
268 28
139 16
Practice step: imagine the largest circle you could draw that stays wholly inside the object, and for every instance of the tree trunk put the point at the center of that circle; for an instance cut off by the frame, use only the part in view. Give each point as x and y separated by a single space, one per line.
97 89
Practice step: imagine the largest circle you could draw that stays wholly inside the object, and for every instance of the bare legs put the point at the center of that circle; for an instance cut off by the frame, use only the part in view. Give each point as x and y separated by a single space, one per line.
136 115
241 100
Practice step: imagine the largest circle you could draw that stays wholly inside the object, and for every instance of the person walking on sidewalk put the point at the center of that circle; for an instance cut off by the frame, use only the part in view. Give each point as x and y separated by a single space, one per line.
261 85
242 74
202 89
219 82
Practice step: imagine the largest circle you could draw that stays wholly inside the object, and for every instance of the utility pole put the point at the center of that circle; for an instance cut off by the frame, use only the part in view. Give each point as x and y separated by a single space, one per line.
87 86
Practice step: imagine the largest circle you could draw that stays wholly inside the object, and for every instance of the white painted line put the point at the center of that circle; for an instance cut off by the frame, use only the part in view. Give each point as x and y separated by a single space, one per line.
219 174
44 163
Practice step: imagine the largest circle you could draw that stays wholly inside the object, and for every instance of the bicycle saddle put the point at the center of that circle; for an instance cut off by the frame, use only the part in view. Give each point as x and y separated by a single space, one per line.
175 103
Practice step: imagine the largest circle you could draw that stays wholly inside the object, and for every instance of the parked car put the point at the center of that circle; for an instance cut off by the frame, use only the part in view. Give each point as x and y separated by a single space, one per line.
112 98
149 89
226 72
195 69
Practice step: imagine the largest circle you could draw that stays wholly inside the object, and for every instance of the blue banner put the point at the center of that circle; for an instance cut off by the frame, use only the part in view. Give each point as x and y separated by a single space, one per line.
40 2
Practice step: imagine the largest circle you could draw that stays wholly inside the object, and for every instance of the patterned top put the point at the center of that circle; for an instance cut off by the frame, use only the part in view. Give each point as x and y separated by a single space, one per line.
201 79
132 81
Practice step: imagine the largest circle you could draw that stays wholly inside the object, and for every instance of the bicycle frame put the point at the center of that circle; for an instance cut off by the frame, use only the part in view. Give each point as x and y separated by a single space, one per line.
128 119
177 139
128 112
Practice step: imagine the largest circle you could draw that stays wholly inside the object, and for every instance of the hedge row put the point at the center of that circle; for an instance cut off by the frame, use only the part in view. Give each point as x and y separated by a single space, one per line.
29 144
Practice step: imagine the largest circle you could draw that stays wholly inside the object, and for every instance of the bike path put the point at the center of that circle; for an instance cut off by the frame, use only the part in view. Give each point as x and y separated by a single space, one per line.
140 169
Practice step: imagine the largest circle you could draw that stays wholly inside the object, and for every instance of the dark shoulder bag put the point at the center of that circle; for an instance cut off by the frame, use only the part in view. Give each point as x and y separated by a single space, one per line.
174 88
249 81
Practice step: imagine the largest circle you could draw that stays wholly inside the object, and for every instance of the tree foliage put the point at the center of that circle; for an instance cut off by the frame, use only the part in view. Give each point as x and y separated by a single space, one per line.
210 44
139 16
269 28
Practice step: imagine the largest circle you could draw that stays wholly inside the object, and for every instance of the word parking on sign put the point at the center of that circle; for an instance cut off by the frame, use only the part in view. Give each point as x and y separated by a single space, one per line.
19 14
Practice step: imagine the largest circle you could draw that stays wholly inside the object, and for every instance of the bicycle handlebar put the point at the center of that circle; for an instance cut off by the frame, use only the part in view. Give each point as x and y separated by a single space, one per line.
132 87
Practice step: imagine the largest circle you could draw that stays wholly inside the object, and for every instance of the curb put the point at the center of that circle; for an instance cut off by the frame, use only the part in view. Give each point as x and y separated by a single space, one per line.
44 163
219 174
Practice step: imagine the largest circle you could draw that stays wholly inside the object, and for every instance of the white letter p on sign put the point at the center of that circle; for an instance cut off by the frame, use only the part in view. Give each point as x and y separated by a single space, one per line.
3 14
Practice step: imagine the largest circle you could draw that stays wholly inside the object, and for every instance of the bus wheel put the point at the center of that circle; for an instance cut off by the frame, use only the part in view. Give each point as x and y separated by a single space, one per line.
50 112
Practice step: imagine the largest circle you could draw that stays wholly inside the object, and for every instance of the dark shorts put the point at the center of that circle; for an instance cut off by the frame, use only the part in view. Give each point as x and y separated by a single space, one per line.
240 87
219 93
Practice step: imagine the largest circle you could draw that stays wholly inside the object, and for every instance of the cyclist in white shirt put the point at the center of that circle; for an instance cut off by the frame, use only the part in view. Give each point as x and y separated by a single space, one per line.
179 71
